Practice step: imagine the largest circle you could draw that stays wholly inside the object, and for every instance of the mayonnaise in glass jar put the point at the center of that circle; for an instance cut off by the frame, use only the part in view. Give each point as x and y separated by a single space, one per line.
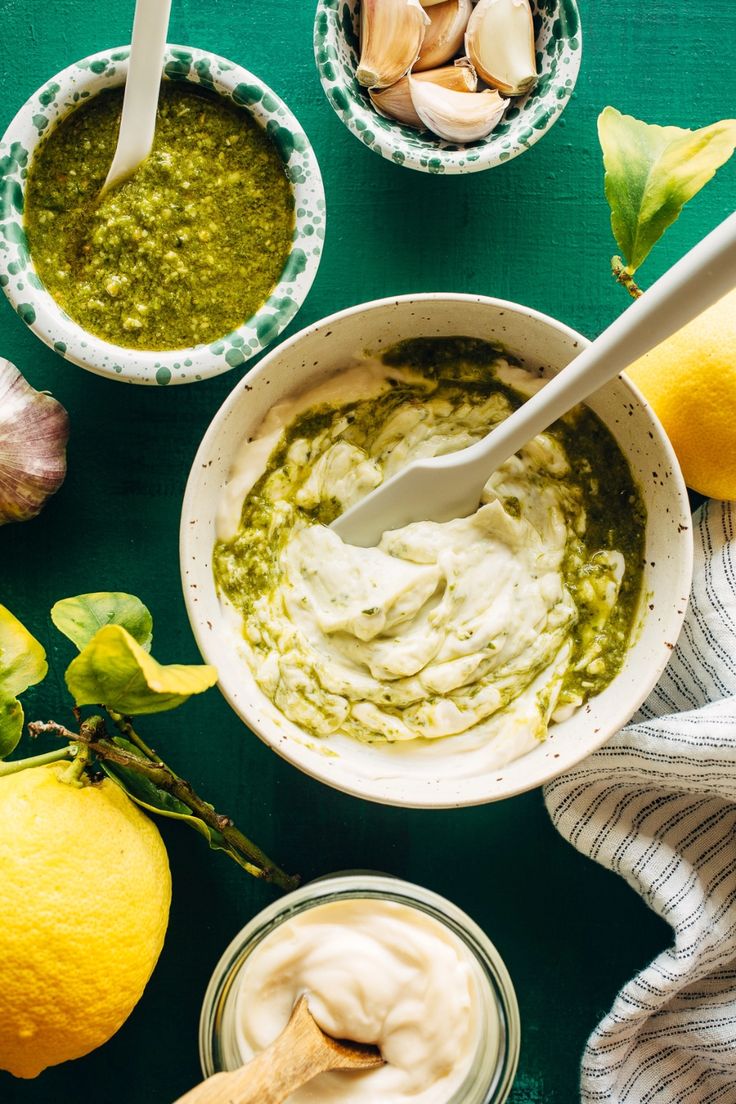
381 961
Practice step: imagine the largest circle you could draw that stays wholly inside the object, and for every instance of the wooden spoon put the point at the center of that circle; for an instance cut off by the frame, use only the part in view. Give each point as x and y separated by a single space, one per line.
301 1051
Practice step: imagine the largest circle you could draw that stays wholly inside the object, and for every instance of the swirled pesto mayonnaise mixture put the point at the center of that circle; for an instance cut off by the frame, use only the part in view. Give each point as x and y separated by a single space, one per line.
481 629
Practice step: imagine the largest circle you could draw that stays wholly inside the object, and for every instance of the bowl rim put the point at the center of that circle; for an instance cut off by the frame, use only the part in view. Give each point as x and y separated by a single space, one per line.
51 103
397 143
342 778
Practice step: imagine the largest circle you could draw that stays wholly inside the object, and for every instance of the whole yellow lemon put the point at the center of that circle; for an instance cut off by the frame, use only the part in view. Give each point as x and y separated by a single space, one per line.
85 891
690 381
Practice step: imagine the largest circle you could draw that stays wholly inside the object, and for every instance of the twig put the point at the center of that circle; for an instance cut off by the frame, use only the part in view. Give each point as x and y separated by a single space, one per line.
93 734
624 277
16 765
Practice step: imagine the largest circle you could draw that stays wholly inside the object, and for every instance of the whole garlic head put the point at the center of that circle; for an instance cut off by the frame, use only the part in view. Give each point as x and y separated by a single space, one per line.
34 429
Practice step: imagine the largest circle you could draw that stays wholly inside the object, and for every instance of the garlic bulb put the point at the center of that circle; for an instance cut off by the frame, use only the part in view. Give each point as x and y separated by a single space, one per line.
391 36
500 43
396 102
456 116
34 429
444 35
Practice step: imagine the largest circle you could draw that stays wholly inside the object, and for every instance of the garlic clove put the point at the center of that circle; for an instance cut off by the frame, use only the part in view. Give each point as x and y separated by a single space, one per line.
396 102
431 3
444 35
391 36
34 429
456 116
500 43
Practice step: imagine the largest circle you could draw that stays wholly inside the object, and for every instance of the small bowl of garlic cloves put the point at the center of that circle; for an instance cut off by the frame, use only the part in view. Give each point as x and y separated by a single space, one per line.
448 86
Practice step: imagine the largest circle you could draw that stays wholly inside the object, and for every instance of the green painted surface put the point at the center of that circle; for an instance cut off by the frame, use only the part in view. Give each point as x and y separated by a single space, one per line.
535 230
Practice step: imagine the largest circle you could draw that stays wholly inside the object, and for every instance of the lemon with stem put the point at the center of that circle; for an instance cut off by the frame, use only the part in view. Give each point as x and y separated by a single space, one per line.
84 901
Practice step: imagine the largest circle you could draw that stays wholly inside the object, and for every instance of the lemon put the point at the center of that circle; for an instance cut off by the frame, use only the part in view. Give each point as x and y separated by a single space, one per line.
690 381
85 890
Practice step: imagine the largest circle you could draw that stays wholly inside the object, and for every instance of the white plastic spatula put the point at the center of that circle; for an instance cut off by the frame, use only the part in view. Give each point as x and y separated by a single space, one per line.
445 487
138 122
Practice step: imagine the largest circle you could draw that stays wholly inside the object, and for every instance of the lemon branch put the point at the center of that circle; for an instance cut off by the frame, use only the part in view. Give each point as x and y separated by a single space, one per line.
93 734
625 278
17 765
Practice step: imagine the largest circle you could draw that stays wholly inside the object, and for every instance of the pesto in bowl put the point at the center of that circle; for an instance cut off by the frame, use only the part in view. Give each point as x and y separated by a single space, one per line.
184 250
131 354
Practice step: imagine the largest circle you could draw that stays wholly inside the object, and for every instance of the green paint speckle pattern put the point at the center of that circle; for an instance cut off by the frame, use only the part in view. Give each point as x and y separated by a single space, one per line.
34 305
559 48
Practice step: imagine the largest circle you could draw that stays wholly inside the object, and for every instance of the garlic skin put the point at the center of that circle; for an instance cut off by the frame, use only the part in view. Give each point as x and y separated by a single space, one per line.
456 116
396 102
500 43
34 429
444 35
391 36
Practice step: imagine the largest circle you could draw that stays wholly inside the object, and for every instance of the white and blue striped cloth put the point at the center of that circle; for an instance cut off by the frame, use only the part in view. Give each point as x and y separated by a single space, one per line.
657 804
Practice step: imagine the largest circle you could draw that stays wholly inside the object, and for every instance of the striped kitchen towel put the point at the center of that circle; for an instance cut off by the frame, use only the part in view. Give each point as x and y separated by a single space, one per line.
657 804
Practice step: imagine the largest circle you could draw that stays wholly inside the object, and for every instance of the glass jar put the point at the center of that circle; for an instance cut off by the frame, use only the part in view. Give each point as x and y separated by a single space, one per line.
491 1074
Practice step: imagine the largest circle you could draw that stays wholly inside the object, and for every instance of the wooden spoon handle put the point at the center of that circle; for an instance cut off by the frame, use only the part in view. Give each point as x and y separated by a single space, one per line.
294 1058
268 1079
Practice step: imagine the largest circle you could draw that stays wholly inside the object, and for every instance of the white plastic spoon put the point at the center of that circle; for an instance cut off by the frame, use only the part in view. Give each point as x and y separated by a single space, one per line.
444 487
138 121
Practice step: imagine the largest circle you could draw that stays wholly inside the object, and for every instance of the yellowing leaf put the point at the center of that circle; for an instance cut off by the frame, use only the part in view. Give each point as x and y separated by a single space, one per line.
22 664
11 724
115 671
81 617
651 173
22 659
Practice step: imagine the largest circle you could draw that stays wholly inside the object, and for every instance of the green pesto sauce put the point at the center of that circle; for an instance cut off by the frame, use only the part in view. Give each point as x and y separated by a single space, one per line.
457 369
184 251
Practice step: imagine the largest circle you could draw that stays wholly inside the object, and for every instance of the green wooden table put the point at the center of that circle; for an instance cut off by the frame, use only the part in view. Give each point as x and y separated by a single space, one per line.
535 230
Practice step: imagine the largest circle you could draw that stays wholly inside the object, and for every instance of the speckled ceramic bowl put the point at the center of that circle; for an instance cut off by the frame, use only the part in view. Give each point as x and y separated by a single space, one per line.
56 99
393 775
559 45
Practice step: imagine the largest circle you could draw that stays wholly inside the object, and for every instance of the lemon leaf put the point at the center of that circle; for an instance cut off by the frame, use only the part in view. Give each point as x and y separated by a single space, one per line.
154 800
22 658
115 671
80 618
11 724
651 173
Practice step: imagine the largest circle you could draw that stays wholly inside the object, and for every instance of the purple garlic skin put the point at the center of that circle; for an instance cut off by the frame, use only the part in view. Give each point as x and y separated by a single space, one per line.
34 430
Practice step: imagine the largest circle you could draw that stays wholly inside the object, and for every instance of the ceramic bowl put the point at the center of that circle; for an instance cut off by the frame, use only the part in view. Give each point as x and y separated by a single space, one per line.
52 103
559 46
391 773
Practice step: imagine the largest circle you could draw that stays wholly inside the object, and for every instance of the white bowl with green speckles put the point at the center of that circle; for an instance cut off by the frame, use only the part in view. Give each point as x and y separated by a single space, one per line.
51 104
391 773
559 48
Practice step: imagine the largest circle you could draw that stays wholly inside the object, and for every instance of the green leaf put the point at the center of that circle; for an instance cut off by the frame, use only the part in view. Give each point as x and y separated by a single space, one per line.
22 659
80 618
11 724
652 172
154 800
115 671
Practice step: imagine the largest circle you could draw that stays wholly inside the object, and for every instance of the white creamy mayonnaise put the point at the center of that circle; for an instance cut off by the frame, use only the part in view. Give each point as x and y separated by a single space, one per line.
374 971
